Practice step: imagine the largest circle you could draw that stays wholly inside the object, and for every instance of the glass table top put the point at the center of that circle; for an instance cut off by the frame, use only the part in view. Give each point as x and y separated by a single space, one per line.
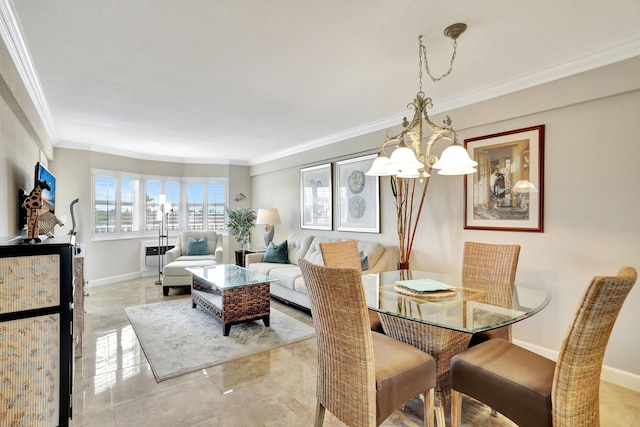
468 306
228 275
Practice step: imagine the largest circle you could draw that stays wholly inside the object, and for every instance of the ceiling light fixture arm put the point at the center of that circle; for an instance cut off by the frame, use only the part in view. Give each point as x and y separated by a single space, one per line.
414 131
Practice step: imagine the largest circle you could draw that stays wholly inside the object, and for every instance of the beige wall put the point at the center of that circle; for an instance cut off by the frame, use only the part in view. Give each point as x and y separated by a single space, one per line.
592 200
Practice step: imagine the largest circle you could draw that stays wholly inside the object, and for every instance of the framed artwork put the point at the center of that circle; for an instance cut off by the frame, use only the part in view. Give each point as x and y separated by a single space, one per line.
358 195
316 197
507 192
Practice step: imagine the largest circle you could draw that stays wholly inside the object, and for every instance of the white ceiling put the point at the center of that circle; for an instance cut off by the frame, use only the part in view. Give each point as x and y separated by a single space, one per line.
245 81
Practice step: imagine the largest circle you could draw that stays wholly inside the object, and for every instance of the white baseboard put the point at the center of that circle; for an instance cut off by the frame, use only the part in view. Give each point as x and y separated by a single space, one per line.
113 279
611 375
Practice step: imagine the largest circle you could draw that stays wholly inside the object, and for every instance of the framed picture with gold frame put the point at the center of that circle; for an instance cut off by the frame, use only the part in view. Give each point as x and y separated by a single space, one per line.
507 192
357 195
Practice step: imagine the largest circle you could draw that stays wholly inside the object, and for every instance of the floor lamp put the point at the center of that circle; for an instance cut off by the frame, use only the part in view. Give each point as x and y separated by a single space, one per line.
163 235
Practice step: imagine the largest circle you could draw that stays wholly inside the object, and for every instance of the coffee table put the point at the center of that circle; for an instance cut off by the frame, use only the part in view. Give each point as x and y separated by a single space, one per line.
231 293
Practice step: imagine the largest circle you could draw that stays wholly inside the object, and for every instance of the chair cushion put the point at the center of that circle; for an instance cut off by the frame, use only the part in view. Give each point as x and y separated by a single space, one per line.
197 247
177 268
278 254
512 380
375 322
402 372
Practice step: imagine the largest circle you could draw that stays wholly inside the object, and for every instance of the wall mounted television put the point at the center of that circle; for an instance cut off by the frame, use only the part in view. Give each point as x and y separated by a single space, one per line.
48 196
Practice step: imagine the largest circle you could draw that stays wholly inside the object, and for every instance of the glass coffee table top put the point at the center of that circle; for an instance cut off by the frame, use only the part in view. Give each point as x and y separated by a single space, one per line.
228 276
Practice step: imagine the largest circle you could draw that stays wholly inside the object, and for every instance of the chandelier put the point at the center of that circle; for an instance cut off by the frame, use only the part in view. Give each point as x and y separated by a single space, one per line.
412 156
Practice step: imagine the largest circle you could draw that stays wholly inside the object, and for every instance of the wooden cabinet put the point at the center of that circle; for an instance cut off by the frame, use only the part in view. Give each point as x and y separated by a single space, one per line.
36 312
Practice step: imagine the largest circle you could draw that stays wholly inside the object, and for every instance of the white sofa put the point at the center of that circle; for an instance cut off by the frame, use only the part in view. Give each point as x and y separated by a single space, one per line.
176 259
291 287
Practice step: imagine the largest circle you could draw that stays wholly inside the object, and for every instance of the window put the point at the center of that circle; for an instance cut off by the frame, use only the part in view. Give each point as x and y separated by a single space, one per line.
205 195
170 189
105 204
130 205
116 204
216 204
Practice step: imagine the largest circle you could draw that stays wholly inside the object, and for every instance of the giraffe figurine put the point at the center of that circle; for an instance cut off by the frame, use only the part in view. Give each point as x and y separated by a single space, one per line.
33 203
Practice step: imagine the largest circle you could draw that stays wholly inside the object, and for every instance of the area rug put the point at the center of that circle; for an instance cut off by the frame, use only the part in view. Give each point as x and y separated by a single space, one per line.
178 339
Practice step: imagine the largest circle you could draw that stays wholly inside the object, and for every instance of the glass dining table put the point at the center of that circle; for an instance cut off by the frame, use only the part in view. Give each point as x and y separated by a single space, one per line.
439 313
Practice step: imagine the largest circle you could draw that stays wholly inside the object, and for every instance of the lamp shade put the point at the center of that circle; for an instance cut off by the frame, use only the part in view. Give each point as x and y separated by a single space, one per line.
455 161
403 158
524 186
379 167
268 216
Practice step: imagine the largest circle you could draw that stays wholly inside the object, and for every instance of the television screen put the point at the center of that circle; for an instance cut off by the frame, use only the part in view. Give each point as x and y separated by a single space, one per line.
48 196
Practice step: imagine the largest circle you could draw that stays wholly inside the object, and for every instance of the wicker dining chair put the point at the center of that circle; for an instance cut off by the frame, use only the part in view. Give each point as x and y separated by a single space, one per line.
363 376
532 390
491 265
345 255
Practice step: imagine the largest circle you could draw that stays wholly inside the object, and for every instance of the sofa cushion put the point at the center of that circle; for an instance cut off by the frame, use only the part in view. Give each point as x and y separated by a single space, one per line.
314 254
286 275
277 253
197 247
298 245
265 267
300 286
372 250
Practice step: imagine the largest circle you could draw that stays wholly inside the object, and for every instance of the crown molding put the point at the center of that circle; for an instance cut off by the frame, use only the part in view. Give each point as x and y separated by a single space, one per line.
144 156
624 51
12 36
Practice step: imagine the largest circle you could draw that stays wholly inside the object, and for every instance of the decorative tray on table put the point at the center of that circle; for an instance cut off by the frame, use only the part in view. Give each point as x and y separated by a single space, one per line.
424 288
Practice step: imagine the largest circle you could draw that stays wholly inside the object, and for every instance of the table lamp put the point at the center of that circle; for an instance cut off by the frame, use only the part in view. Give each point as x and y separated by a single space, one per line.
269 217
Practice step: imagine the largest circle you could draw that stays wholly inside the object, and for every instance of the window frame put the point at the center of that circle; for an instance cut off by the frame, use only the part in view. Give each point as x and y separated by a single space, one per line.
141 203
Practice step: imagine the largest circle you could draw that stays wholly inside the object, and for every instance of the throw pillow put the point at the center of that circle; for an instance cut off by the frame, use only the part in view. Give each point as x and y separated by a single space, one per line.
364 261
197 247
277 253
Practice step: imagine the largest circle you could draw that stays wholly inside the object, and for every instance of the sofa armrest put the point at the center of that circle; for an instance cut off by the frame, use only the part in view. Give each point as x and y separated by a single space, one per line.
387 262
172 254
219 251
253 258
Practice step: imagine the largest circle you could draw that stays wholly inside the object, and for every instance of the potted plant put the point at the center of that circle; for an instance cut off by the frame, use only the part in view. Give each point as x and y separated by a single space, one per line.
240 222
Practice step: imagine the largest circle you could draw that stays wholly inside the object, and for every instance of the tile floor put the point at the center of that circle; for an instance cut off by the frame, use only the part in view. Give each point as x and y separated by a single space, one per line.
114 386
